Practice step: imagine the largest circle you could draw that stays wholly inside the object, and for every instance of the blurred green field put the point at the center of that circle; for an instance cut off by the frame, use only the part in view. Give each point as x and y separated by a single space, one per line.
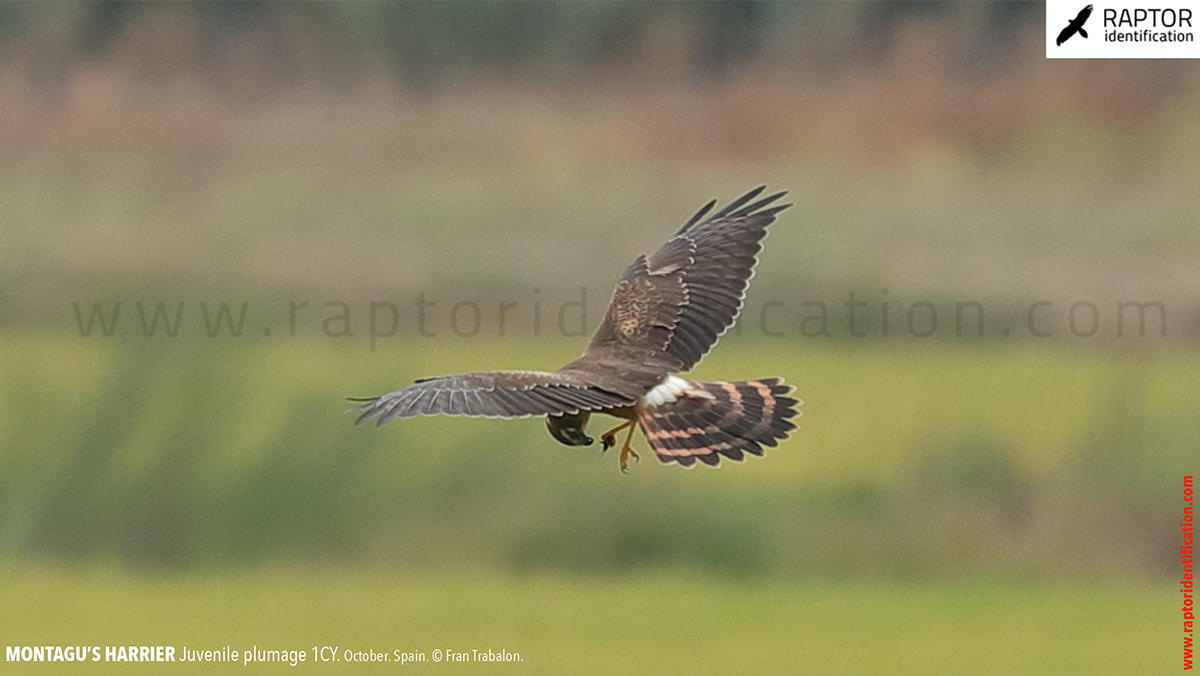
911 460
649 622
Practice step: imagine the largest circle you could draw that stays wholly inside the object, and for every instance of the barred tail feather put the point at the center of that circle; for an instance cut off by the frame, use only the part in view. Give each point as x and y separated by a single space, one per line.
720 419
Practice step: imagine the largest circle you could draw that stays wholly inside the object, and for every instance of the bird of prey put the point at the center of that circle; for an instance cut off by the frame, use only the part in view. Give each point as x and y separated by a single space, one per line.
667 311
1075 26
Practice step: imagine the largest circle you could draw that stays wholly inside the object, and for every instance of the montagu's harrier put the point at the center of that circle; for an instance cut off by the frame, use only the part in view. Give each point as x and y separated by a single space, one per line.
667 312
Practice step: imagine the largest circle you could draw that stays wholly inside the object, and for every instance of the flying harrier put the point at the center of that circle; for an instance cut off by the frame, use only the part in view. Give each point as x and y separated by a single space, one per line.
666 313
1075 26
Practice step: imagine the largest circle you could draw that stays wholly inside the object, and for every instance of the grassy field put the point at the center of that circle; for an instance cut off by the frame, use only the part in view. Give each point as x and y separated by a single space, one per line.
189 453
656 622
965 508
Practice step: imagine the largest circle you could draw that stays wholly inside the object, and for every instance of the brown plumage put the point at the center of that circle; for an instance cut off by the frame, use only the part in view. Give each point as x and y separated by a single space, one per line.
667 311
720 420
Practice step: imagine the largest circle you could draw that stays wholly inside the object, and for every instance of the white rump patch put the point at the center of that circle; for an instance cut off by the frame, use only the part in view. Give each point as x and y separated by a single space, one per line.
666 392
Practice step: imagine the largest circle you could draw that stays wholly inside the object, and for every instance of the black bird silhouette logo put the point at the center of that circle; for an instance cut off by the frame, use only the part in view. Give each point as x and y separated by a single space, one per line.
1076 26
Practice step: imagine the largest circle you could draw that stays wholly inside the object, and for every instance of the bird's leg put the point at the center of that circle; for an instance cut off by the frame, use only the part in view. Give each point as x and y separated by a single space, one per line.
627 450
608 439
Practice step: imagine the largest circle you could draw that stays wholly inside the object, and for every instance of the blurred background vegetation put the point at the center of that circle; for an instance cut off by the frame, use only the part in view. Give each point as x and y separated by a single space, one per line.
950 498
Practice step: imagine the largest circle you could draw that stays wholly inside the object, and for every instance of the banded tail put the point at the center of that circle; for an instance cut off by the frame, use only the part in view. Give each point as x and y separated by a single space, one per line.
720 419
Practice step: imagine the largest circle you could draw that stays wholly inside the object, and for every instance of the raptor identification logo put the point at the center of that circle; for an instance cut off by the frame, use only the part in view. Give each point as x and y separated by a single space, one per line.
1123 29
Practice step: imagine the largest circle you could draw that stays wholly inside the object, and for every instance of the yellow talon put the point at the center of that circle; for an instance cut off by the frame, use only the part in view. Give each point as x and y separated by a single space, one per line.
628 452
609 438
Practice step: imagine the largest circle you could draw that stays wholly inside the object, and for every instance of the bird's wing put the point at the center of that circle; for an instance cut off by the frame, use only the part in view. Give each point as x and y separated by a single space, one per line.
493 394
1082 16
1065 33
669 308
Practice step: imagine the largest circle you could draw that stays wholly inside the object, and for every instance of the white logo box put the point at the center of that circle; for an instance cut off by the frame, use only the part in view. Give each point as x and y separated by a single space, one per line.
1124 29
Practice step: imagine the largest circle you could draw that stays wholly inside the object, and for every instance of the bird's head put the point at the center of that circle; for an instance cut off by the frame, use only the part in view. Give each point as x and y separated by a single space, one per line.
569 429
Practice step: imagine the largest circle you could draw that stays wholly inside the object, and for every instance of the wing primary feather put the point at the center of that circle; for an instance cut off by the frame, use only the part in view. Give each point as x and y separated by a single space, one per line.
457 403
386 406
751 208
737 203
436 403
412 406
390 408
699 215
384 410
367 413
478 405
775 210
